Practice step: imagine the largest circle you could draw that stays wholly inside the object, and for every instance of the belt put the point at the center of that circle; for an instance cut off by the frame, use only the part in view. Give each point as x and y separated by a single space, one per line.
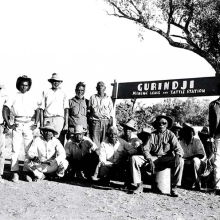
53 116
23 119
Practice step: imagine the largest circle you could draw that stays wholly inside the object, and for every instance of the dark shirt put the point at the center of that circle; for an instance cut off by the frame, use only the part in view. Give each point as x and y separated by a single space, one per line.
214 118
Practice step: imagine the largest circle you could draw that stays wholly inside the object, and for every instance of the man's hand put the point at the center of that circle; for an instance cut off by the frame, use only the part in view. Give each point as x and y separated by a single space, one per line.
13 126
36 160
177 160
65 129
33 127
152 166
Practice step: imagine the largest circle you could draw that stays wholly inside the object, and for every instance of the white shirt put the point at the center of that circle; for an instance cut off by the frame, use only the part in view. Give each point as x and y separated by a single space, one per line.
3 98
54 102
22 104
51 150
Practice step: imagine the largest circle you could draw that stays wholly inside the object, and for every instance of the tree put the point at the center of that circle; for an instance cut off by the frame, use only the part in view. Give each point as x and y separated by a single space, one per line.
193 25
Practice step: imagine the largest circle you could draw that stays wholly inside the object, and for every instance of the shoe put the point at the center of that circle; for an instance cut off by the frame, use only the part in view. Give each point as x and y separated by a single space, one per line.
28 178
104 182
197 186
139 189
15 178
1 180
36 179
174 192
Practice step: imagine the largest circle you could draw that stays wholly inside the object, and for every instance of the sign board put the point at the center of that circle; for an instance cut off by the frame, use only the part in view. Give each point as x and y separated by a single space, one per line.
206 86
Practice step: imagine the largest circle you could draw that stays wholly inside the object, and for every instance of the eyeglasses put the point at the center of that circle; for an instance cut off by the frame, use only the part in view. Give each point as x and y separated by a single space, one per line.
162 123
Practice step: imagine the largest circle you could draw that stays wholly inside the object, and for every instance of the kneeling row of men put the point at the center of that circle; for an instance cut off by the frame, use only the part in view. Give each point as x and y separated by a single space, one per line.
159 149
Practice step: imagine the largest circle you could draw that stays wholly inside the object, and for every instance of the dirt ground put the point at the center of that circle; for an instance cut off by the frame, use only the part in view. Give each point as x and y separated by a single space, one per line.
78 200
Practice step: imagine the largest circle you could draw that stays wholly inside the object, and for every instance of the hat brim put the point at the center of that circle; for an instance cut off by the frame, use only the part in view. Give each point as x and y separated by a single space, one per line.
129 127
143 135
58 80
177 127
20 79
48 129
169 120
203 134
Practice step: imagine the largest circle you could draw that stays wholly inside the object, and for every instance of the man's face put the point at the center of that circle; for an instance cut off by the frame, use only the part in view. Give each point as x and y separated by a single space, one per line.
48 135
55 84
113 137
176 131
100 88
78 137
24 86
162 124
127 132
80 91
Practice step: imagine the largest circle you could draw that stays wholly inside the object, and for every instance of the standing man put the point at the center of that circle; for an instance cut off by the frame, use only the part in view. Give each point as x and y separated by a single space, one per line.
54 107
3 98
101 114
78 107
161 151
214 140
24 108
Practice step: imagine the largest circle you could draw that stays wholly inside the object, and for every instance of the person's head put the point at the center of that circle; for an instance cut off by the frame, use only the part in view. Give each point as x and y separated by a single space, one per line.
176 129
112 135
162 123
55 81
23 84
100 88
48 131
77 133
128 128
144 135
80 90
187 132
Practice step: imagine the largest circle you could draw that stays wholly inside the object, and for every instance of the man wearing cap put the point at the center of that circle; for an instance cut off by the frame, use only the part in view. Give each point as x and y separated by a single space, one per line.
81 153
54 107
78 107
129 136
26 116
101 114
113 155
194 154
3 98
46 154
161 151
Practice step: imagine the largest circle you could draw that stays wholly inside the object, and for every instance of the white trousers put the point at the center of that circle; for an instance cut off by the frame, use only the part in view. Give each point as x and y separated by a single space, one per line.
217 164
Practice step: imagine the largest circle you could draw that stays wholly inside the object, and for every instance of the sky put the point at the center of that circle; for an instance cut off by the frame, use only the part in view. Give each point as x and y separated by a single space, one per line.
81 42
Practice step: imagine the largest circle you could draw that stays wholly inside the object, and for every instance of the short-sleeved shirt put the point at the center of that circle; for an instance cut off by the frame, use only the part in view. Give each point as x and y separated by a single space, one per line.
46 150
54 102
3 98
100 107
162 144
115 153
78 112
193 148
76 151
22 104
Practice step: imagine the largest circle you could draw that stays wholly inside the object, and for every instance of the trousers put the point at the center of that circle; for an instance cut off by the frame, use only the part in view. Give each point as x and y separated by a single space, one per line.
217 164
2 150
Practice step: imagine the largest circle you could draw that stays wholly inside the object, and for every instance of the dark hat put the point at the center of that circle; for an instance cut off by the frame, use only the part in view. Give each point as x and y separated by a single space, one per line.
169 120
189 126
49 127
55 77
21 79
130 125
177 125
144 132
204 131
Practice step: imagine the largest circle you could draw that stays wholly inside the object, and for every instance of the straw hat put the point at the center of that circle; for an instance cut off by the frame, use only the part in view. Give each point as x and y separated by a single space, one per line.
49 127
129 125
169 120
21 79
55 77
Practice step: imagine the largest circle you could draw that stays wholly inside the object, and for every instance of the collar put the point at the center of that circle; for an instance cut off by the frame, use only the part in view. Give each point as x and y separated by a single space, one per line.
100 96
77 98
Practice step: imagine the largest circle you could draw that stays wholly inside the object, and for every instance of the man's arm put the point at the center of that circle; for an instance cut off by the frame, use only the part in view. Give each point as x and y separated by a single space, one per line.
66 117
6 116
102 156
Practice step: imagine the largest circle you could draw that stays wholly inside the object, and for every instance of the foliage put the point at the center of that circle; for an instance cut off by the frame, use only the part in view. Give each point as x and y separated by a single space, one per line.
192 110
193 25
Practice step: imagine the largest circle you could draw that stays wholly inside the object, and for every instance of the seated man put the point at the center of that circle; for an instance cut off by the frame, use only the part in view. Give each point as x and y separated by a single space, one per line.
176 129
194 154
161 151
46 154
81 154
113 155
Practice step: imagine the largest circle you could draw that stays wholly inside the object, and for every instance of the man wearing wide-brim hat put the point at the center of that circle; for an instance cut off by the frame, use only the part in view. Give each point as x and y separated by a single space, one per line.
54 107
26 116
194 154
82 153
46 154
176 129
161 150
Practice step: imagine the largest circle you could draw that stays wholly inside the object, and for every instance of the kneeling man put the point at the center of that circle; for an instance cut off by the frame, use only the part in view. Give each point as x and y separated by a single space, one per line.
47 154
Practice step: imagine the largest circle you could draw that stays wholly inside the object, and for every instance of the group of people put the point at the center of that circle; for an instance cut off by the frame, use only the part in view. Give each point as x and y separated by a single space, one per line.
77 138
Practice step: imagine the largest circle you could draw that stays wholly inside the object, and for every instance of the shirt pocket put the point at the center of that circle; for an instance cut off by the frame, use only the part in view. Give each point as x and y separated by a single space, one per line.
166 147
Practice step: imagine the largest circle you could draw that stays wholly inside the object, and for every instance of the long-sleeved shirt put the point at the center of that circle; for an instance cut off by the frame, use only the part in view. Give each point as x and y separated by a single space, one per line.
193 148
214 118
54 102
100 107
3 98
162 144
46 150
76 151
113 154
